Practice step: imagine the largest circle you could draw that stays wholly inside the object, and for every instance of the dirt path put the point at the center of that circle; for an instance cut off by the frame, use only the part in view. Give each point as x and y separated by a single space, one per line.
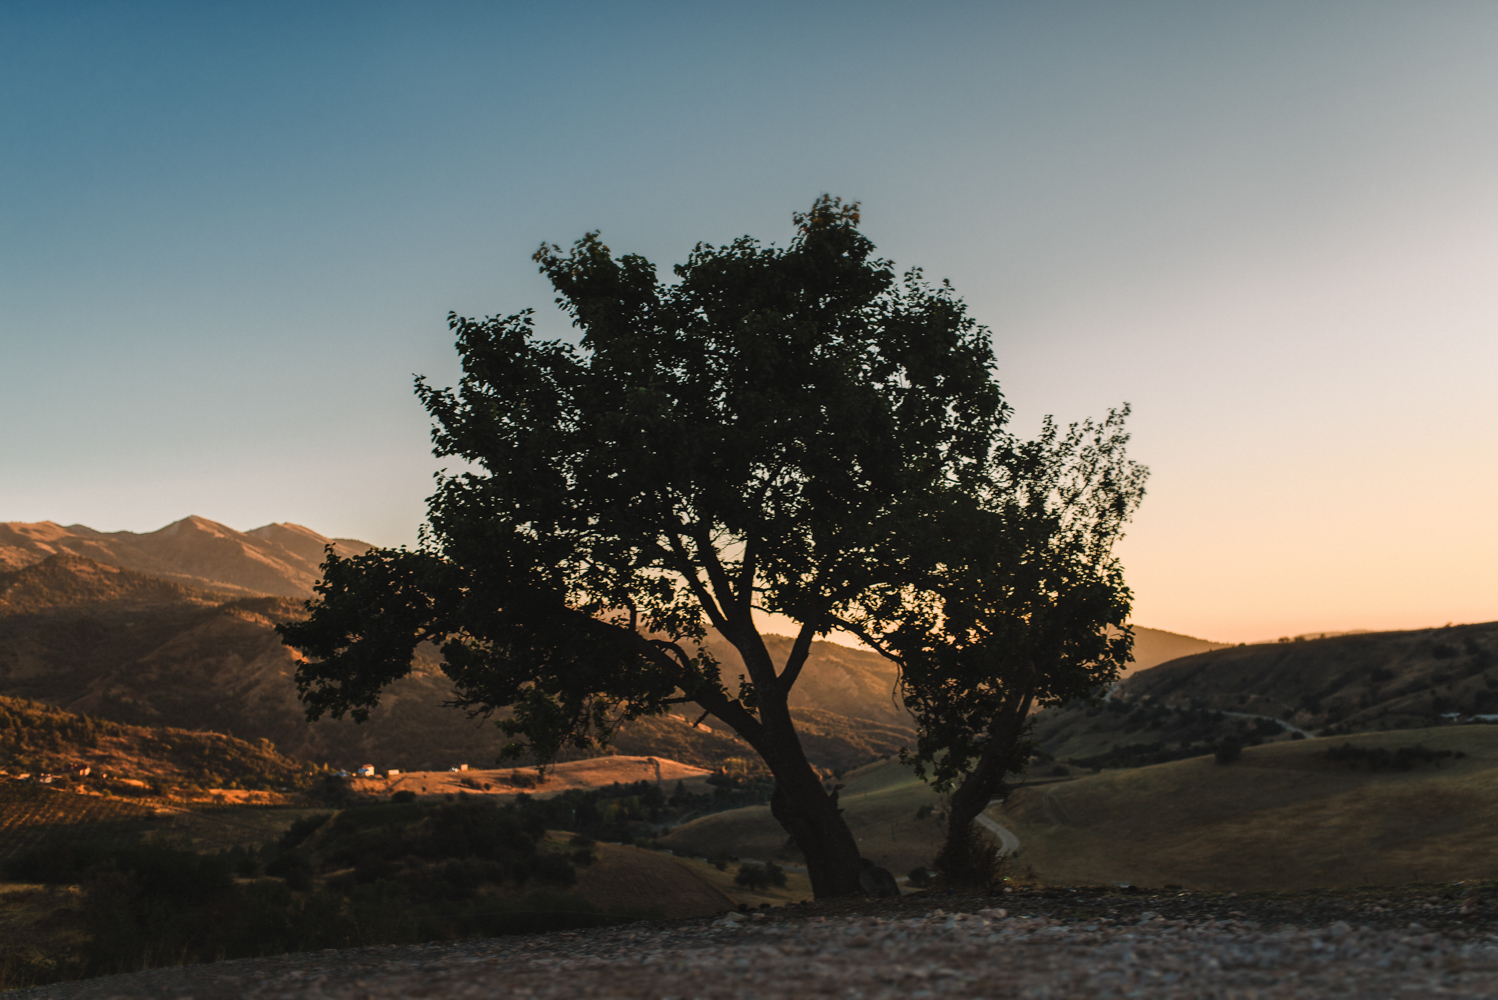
1008 839
1287 727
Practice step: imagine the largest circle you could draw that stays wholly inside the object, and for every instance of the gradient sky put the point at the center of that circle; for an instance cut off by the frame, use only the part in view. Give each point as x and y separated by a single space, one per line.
230 233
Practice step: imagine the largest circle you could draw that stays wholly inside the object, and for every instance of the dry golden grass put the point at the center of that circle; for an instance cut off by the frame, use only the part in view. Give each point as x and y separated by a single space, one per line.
797 885
596 772
1282 817
630 880
879 802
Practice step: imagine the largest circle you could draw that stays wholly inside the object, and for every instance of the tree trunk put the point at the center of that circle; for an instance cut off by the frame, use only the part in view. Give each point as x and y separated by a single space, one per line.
806 810
964 858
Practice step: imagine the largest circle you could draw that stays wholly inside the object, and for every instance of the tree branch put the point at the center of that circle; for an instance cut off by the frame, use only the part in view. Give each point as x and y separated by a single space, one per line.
707 555
688 570
799 652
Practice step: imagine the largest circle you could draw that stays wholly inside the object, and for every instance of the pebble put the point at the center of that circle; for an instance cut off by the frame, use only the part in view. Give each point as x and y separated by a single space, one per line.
987 953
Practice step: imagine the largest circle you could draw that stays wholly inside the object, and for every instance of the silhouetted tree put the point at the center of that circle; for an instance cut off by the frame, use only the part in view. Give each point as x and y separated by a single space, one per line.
1015 601
761 433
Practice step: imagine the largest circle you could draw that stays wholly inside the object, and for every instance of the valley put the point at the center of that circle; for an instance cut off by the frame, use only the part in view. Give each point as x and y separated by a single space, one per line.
151 661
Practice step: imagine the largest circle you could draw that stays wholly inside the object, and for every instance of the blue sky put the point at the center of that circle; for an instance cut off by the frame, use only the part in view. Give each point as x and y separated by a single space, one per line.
231 234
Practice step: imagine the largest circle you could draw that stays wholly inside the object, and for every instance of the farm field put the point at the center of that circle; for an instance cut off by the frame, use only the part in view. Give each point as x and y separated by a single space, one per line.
595 772
29 812
1282 817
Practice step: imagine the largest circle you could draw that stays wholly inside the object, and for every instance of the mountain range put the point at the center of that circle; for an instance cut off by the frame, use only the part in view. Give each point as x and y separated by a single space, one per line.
175 627
282 560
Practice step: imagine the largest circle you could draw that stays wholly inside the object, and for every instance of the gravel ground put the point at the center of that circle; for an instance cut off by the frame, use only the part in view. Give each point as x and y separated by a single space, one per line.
1058 945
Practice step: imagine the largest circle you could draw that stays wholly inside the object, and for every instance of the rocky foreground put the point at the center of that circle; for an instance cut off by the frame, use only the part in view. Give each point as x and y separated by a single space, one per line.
1427 942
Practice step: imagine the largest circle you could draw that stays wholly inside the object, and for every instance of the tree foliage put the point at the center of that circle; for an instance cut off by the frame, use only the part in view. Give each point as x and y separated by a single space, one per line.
763 432
1018 603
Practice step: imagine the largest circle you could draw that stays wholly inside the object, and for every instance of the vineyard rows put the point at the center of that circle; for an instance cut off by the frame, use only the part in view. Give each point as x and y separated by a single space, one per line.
29 812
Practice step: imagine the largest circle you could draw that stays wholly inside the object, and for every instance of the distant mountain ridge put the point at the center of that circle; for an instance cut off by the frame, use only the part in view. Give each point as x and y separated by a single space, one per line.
175 627
281 559
128 647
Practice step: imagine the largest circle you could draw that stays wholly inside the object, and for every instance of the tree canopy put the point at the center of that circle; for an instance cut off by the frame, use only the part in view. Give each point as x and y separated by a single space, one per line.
1018 602
765 432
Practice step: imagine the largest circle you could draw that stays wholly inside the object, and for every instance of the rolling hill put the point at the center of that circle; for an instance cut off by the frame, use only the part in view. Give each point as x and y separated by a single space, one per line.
1345 683
37 738
121 645
1284 816
1333 685
175 627
882 802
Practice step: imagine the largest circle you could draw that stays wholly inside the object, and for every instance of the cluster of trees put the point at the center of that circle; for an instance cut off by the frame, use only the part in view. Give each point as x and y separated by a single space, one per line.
798 430
389 873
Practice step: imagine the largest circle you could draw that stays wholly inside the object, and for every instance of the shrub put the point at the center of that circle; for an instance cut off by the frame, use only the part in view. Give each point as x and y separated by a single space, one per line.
294 869
302 829
1379 759
1228 751
753 876
920 876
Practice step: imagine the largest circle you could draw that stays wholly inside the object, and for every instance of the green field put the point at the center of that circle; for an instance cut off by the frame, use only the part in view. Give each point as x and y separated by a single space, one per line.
1282 817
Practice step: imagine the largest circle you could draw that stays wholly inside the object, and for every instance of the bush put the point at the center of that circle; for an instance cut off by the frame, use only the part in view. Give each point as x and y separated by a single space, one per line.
294 869
302 829
1379 759
1228 751
404 795
756 877
920 876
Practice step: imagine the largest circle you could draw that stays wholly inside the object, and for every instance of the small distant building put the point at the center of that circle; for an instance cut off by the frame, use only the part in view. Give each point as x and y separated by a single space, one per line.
83 770
462 767
367 771
392 773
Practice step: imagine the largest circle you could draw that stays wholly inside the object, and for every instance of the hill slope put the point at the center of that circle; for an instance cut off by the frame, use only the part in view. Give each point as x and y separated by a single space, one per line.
42 738
1154 646
128 647
1284 816
1370 680
1354 682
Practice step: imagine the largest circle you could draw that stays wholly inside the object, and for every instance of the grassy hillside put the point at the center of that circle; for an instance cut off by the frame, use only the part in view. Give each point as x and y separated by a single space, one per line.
1347 683
1357 682
1284 816
1120 733
880 802
35 737
1154 646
